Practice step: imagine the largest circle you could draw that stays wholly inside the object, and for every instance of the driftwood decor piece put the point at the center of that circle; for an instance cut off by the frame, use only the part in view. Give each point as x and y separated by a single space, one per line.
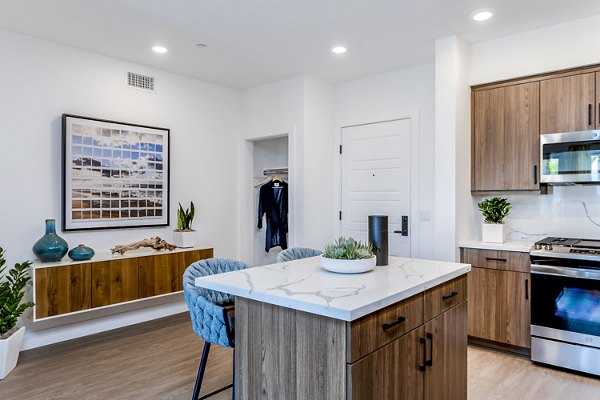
156 243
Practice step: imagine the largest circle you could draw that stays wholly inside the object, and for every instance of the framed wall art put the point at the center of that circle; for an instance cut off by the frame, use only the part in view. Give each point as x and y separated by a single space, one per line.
115 174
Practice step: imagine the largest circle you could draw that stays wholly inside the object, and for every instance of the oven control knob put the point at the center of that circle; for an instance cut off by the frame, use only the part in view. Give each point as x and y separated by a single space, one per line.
548 247
537 246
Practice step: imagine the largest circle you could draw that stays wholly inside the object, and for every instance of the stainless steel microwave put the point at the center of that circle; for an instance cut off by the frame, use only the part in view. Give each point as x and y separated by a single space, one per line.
569 158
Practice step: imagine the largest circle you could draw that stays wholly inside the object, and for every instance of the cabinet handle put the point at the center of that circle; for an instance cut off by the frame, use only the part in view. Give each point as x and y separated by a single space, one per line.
598 121
495 259
387 326
526 289
535 174
423 366
589 114
430 361
449 296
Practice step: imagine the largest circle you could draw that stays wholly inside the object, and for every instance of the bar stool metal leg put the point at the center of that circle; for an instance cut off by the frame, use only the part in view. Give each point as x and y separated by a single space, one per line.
201 370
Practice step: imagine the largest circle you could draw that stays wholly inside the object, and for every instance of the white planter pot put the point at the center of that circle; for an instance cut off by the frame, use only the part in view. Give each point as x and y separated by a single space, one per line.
348 266
185 238
493 233
9 352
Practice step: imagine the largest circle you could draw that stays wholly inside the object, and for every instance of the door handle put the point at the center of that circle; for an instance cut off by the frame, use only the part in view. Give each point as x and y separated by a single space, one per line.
404 230
423 366
429 362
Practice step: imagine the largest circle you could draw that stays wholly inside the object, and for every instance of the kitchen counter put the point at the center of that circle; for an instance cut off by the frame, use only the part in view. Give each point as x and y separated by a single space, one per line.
303 332
522 246
303 285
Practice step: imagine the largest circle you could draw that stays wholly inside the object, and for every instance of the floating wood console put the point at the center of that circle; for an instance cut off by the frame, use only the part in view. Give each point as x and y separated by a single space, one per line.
68 287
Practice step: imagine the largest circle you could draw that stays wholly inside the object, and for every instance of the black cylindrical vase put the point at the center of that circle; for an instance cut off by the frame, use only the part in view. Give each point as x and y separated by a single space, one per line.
378 237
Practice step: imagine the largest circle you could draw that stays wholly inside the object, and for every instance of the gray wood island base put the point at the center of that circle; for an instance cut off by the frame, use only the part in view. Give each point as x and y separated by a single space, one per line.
414 349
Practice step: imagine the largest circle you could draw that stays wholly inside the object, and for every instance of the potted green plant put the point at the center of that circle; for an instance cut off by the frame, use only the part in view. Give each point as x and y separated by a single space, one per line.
12 292
348 256
494 211
184 235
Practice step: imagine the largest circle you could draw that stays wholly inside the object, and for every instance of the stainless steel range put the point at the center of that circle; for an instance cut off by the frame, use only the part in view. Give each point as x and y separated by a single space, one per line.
565 303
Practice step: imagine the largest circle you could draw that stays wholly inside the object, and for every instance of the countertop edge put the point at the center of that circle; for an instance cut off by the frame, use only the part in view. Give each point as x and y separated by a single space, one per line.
511 245
333 312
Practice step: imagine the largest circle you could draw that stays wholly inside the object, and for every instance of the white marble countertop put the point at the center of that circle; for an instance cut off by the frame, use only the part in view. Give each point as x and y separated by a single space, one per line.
303 285
522 246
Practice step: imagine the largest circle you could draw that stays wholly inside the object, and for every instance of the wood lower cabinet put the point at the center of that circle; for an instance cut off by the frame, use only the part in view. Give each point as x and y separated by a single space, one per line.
505 138
499 306
391 372
568 103
446 341
62 289
429 363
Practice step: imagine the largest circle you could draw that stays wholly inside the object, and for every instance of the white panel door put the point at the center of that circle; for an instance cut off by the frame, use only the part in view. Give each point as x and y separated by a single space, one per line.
376 180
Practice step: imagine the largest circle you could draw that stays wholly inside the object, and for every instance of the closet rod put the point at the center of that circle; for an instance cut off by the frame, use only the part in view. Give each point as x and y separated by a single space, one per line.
275 171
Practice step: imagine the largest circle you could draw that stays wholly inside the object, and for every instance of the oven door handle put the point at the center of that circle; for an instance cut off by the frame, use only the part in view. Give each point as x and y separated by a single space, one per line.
579 273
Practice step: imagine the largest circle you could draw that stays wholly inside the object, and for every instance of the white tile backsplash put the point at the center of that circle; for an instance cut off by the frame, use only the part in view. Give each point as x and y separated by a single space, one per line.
567 211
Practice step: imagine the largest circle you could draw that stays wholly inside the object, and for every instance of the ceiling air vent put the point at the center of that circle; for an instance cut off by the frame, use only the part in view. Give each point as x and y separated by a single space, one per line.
140 81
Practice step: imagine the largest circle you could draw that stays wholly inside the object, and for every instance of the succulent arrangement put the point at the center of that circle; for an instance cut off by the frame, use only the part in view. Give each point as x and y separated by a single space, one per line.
185 217
12 291
348 249
494 210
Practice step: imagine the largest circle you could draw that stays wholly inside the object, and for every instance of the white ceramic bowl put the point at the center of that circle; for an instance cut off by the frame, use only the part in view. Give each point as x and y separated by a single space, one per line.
348 266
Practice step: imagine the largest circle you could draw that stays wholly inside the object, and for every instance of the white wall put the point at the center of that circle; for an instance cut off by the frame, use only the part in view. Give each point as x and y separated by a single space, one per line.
566 45
567 211
40 81
319 157
389 96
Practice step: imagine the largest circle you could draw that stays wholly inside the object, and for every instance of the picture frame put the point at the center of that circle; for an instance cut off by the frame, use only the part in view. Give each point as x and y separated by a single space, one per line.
115 175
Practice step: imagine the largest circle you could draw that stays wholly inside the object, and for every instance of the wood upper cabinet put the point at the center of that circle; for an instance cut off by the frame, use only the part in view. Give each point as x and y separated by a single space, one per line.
499 306
446 340
505 138
568 103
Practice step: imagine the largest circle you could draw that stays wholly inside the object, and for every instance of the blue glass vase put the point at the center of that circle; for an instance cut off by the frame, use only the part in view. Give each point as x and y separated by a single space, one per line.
81 253
50 247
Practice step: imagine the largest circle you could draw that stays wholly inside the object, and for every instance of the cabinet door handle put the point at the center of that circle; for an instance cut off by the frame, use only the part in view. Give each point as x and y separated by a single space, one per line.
449 296
495 259
535 174
526 289
589 114
429 362
423 366
598 121
387 326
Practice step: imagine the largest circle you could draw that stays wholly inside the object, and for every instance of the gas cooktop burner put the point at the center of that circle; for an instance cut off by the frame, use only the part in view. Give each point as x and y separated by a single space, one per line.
567 248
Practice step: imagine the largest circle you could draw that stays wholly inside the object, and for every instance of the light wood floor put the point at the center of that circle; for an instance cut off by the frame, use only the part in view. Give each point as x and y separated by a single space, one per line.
159 360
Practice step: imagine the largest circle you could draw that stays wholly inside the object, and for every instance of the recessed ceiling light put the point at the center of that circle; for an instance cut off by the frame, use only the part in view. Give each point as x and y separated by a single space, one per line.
482 15
339 49
159 49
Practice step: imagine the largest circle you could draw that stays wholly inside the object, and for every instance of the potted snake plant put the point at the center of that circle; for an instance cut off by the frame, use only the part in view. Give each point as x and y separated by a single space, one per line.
348 256
184 235
12 306
494 211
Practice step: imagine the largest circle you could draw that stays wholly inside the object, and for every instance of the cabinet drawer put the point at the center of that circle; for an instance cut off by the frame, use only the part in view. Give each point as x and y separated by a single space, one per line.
445 296
375 330
496 259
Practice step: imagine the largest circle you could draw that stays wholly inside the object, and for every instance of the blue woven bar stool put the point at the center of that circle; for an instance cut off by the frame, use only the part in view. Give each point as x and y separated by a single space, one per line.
296 253
211 313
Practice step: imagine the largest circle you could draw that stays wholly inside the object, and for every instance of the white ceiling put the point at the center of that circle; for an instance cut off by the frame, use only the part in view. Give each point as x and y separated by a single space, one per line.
256 41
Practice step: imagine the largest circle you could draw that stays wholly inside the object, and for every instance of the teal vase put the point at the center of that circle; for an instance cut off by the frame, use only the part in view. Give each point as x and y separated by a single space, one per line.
81 253
50 247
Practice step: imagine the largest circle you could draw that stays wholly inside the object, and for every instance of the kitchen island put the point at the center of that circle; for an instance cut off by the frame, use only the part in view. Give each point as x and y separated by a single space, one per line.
397 332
